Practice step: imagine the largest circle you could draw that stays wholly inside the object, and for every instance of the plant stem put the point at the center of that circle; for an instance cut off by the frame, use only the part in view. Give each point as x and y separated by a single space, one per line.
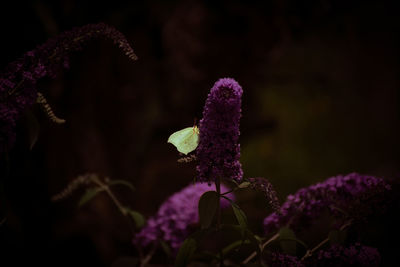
114 199
251 256
105 187
310 252
218 226
148 257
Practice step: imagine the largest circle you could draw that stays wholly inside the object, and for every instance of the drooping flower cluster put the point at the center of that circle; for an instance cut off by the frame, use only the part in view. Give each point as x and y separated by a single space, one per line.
354 255
18 81
355 194
177 217
218 151
264 186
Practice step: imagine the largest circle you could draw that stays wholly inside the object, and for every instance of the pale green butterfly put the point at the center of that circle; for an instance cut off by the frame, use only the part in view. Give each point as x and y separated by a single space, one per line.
185 140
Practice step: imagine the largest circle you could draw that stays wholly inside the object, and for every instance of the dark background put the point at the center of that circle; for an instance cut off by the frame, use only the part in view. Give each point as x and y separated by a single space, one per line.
321 98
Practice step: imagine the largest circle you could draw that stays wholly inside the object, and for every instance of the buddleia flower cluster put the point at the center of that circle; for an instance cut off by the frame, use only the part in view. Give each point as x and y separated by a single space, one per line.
18 81
177 217
264 186
218 151
352 195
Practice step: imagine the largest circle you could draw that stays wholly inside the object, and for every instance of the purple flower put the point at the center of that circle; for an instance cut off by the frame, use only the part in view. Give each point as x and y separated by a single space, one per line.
354 194
354 255
177 217
284 260
264 186
18 81
218 152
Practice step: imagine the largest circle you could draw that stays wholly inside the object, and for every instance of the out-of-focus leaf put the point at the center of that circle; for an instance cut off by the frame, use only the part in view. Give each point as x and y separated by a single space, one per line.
122 182
233 246
137 217
246 235
89 194
287 240
208 205
244 185
166 248
185 252
240 215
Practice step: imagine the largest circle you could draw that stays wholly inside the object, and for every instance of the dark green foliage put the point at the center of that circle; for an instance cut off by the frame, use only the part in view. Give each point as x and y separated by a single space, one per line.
208 205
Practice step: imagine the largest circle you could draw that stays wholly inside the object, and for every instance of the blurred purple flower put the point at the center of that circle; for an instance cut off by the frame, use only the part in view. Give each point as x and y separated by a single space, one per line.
355 194
18 81
177 217
218 152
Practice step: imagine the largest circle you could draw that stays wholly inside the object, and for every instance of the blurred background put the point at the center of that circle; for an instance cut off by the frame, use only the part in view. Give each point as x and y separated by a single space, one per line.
321 98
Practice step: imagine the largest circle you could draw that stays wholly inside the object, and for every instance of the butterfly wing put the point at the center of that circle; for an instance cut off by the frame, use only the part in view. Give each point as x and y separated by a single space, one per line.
185 140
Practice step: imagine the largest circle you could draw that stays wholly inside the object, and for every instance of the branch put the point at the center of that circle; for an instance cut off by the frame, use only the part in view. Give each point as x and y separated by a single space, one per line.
310 252
249 258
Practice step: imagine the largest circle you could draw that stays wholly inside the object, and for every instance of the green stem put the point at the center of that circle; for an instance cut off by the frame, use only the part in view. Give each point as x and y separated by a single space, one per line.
218 189
249 258
114 199
310 252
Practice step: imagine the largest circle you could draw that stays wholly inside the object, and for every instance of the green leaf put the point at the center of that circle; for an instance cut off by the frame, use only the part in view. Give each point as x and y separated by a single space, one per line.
287 240
166 248
33 128
254 241
137 217
185 252
185 140
247 235
122 182
240 215
234 245
244 185
208 205
89 194
337 237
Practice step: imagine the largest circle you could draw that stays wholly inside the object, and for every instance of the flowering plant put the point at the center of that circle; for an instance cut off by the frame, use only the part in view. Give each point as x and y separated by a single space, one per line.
196 225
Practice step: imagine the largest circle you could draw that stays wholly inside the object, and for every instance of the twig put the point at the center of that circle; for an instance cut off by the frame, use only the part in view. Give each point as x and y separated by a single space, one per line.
148 257
310 252
249 258
105 187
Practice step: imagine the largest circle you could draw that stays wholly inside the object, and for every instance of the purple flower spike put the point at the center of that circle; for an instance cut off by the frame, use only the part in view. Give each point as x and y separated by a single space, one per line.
218 152
177 217
18 80
357 195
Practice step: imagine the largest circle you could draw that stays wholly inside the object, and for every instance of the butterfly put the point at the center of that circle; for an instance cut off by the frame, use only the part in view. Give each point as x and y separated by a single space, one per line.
185 140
